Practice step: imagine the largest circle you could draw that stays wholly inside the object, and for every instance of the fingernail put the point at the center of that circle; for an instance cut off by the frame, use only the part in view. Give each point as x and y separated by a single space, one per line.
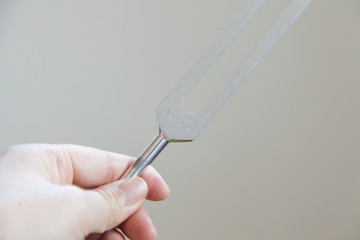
135 190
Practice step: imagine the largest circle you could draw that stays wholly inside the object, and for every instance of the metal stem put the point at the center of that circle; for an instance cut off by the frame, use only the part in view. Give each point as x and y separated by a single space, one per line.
146 158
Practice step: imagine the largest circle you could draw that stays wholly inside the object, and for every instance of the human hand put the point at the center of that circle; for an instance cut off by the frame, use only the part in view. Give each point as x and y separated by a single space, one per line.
71 192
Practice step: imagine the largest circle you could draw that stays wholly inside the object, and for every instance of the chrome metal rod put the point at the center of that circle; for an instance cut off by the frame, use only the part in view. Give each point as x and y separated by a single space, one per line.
146 158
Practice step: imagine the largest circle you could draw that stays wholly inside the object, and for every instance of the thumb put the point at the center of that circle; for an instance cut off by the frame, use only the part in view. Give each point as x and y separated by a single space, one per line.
113 203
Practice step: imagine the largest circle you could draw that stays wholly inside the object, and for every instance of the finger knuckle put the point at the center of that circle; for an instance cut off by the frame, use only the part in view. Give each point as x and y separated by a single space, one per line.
114 199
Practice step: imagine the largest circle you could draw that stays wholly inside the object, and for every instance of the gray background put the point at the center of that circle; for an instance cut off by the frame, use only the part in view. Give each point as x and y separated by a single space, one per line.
282 158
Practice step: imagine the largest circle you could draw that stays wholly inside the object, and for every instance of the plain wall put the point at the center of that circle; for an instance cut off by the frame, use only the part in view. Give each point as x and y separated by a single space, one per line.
280 161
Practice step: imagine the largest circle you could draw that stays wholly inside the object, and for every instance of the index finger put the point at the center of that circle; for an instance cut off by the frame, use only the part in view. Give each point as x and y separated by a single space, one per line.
91 167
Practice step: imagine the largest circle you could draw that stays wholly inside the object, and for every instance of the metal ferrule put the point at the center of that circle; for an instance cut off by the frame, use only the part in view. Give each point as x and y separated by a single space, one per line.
146 158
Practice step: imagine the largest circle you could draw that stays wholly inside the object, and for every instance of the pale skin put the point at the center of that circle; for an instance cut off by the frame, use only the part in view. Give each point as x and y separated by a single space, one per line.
70 192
